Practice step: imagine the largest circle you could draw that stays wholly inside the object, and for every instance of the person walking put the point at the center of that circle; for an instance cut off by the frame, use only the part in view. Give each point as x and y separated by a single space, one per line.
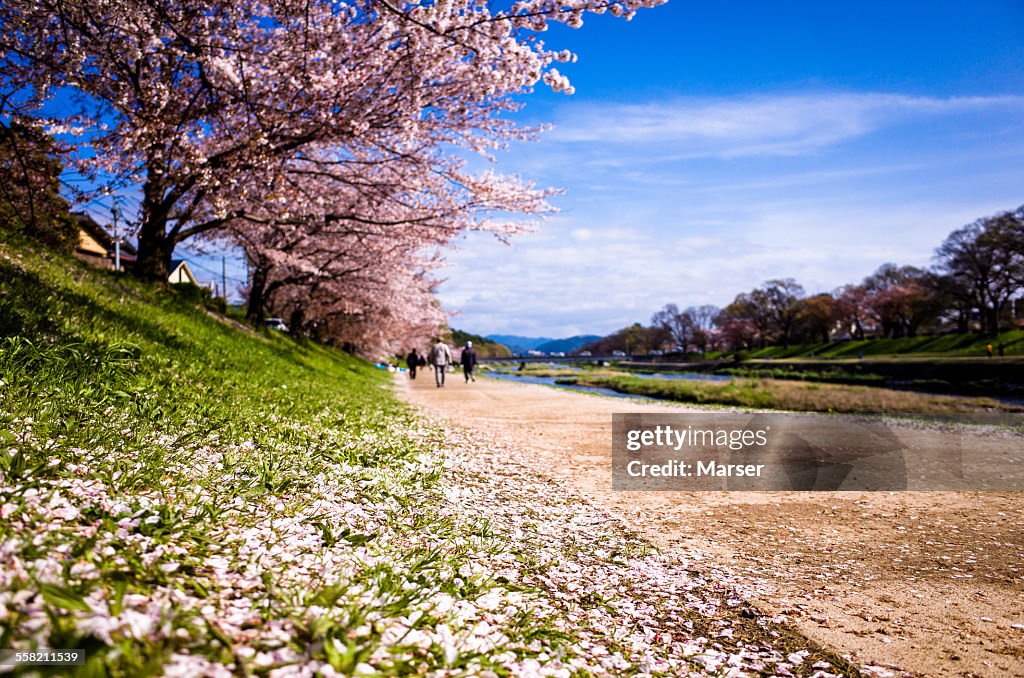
412 361
468 361
440 358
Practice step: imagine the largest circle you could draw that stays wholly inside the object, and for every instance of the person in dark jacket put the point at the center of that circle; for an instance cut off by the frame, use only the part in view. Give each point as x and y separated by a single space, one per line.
413 360
468 361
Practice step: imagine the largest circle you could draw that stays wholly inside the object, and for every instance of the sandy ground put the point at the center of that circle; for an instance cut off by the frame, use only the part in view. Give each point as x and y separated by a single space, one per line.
926 582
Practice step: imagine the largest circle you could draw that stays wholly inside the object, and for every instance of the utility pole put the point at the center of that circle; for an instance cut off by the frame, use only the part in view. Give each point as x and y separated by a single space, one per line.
224 277
115 212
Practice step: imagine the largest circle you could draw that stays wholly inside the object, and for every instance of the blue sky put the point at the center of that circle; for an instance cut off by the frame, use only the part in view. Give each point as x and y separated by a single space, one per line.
711 147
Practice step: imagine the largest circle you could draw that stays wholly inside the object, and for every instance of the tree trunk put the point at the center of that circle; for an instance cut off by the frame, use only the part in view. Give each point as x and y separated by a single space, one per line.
155 245
997 311
153 263
296 320
257 293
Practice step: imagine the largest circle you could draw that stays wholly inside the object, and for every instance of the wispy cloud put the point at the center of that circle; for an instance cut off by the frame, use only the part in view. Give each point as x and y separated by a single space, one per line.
691 201
789 124
566 285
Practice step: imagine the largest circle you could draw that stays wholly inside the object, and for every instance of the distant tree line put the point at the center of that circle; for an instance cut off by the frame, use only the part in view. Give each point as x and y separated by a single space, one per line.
977 277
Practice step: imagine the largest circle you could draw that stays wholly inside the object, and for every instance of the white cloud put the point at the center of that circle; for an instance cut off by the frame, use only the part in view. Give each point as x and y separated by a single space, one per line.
756 125
561 286
693 201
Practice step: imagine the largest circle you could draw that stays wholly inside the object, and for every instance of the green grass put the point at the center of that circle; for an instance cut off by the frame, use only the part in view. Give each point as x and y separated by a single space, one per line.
926 376
177 488
545 370
793 395
832 376
948 345
180 493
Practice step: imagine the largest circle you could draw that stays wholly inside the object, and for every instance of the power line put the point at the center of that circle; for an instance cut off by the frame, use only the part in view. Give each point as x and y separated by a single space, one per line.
218 274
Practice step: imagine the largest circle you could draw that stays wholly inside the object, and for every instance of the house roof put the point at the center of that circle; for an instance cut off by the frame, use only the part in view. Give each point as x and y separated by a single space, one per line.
181 263
100 235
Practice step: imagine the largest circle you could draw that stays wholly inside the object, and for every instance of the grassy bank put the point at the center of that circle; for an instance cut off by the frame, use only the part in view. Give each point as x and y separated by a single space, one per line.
951 345
833 375
793 395
181 495
963 376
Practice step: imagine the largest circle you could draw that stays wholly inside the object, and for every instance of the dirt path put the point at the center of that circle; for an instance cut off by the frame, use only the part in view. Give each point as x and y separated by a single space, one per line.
928 582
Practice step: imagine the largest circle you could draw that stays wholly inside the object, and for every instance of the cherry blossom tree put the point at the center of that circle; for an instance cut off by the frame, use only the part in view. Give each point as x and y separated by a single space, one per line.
901 299
198 103
347 284
852 306
303 129
748 317
352 243
735 329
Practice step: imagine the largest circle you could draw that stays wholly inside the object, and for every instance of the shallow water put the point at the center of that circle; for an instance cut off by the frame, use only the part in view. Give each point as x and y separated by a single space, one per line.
550 381
684 376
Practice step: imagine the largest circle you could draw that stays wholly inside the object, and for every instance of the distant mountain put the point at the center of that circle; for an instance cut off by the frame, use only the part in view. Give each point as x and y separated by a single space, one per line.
567 345
519 344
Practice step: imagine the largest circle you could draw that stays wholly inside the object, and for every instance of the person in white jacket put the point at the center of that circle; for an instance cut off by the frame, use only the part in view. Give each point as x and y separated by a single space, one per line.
440 358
